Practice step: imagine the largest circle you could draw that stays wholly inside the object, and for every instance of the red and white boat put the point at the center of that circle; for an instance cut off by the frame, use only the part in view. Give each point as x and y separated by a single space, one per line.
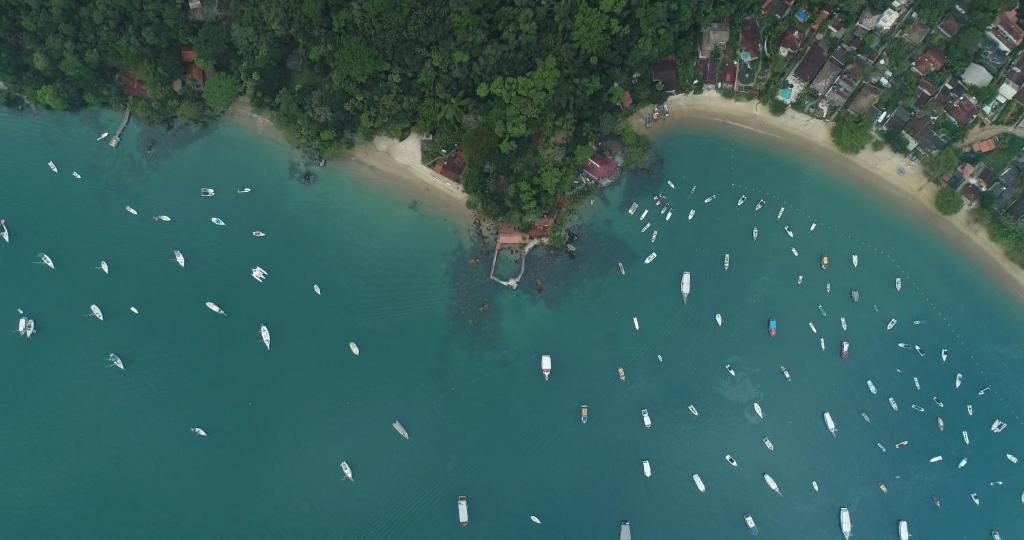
545 365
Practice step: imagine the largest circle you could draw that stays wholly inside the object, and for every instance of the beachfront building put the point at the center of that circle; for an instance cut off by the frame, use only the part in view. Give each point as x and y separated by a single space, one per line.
451 166
665 73
601 169
715 36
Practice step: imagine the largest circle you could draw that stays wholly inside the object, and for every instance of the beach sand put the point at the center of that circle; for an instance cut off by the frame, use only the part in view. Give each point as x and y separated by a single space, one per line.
876 169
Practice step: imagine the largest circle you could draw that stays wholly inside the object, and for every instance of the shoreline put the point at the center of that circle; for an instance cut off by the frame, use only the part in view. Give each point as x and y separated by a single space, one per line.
876 169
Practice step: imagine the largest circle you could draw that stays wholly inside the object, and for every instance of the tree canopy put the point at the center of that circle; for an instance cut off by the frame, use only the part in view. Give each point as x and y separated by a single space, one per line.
948 201
851 133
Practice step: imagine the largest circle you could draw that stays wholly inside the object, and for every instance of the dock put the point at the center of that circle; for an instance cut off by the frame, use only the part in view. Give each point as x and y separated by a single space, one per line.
116 139
513 283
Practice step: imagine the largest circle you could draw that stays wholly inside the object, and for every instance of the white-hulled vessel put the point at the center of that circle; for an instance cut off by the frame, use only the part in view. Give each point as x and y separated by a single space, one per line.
784 372
3 231
725 262
535 519
892 323
892 403
102 136
624 533
741 200
871 387
830 424
179 258
265 336
692 409
103 267
750 524
718 318
133 309
52 166
645 227
347 471
958 380
76 175
689 216
842 322
814 225
198 431
30 327
917 383
217 221
94 311
794 251
647 468
215 308
161 218
353 347
244 190
400 429
22 322
856 259
46 260
316 289
731 460
788 230
812 327
1012 458
684 286
998 426
643 215
545 366
115 361
821 342
814 485
781 211
728 367
944 354
207 192
768 444
259 234
650 258
646 418
771 484
975 499
758 411
699 483
754 233
636 324
967 438
632 208
935 459
845 525
899 284
759 205
941 423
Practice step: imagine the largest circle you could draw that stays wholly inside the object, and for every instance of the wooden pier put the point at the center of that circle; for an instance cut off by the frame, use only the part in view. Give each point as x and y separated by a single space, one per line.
116 139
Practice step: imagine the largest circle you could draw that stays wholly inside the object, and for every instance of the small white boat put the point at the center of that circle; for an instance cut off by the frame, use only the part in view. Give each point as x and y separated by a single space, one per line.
903 345
650 258
115 361
821 343
346 470
741 200
711 198
892 323
794 252
916 407
46 260
759 205
198 431
967 438
21 325
400 429
768 444
161 218
259 234
133 309
654 235
754 233
646 418
865 416
758 411
76 175
463 504
781 210
102 136
632 208
814 225
94 311
217 221
845 525
814 485
103 267
636 324
30 327
800 279
975 499
3 231
725 262
545 366
938 401
693 212
828 287
919 351
131 210
353 347
731 460
842 322
959 380
998 426
892 403
179 258
941 423
903 530
813 328
730 370
684 286
693 410
1013 459
944 354
316 289
535 519
699 483
785 372
880 447
52 167
855 258
899 284
984 391
830 424
668 216
622 374
771 484
645 227
935 459
647 468
207 192
718 318
788 230
917 383
265 336
750 524
871 387
215 308
643 215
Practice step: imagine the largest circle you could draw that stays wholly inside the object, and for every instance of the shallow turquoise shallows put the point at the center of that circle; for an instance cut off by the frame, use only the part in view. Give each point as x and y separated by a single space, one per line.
89 451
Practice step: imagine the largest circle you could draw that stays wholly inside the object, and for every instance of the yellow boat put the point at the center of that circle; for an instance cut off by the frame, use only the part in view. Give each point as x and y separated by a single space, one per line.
583 414
824 262
622 374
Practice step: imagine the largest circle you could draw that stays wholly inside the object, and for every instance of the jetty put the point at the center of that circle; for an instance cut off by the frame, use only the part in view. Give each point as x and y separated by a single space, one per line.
116 139
539 233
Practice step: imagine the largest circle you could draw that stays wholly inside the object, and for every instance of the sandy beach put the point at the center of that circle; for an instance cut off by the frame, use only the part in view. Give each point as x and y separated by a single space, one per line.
877 169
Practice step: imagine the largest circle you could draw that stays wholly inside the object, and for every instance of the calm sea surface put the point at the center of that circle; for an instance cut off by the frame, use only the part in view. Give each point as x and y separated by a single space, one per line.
89 451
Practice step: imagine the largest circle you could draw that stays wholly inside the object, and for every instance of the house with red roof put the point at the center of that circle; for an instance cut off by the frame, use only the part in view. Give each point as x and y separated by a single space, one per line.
932 60
1005 31
811 63
985 146
821 18
451 166
601 168
950 25
962 110
132 86
750 40
790 41
729 75
665 73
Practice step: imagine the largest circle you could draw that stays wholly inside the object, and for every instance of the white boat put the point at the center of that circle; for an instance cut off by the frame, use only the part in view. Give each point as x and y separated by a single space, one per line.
624 533
30 327
179 258
217 221
903 345
970 409
463 504
684 285
842 322
718 318
1013 459
545 366
316 289
899 284
693 212
265 335
944 354
959 380
814 225
76 175
45 259
731 460
131 210
207 192
750 524
257 275
725 262
844 350
812 327
995 532
645 227
758 411
699 483
998 426
941 424
865 416
115 361
754 233
938 401
892 323
103 267
259 234
880 447
711 198
52 167
759 205
814 485
967 438
646 418
855 259
102 136
781 210
916 407
845 525
917 383
975 499
919 351
198 431
935 459
821 342
215 308
21 325
643 215
650 258
347 471
822 311
647 468
133 309
654 236
771 484
161 218
828 287
741 200
768 444
903 530
794 252
693 410
636 323
632 208
95 312
400 429
892 403
353 347
785 372
830 424
788 230
3 231
243 190
871 387
668 216
984 391
728 368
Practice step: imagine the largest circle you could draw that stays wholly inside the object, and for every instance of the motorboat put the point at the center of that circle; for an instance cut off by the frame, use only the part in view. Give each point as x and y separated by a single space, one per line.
998 426
845 524
944 354
693 410
759 205
821 343
788 230
3 231
730 370
622 374
800 279
693 212
891 325
131 210
133 309
646 418
207 192
654 235
161 218
781 211
880 447
632 208
958 381
871 387
916 407
198 431
856 259
94 311
699 483
935 459
967 438
353 347
1012 458
814 225
941 423
643 215
725 262
844 352
773 327
217 221
624 533
750 524
938 401
785 372
636 324
731 460
535 519
855 295
975 499
741 200
822 311
76 175
545 366
103 267
647 468
259 234
46 260
984 391
758 411
316 289
693 188
892 403
917 383
668 215
215 308
115 361
711 198
771 484
102 136
919 351
904 530
824 262
52 167
347 471
401 429
21 325
244 190
899 284
768 444
830 424
813 328
645 227
828 287
814 485
650 258
30 327
754 233
179 258
937 501
622 269
995 534
718 318
463 504
265 336
658 199
794 252
865 416
842 322
903 345
684 286
584 411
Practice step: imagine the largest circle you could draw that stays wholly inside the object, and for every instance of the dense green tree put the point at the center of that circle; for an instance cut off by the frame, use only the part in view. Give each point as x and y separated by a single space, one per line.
941 163
212 41
948 201
896 140
220 91
851 133
53 96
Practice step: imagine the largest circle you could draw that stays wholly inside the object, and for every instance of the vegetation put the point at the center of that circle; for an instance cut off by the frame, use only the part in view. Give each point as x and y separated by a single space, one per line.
1003 231
896 140
948 201
1009 147
941 163
851 133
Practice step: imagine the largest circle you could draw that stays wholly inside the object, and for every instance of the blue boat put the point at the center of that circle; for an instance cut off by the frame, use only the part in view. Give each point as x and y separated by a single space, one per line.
772 327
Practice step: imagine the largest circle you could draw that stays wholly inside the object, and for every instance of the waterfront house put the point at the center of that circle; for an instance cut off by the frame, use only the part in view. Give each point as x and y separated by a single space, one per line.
451 167
932 60
1005 31
729 75
898 119
750 40
715 36
865 100
665 73
826 76
601 168
132 86
811 63
746 75
790 41
971 193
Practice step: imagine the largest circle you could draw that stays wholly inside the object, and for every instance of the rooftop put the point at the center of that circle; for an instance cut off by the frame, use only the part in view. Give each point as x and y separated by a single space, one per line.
811 63
1005 30
600 166
750 40
665 73
931 60
950 25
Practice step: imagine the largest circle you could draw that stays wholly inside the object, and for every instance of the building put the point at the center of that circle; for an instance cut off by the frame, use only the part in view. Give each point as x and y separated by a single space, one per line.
985 146
602 169
451 166
665 73
777 8
950 25
746 75
826 76
887 19
750 40
729 75
962 110
866 23
915 33
819 20
865 100
976 75
1005 31
811 63
713 37
932 60
790 42
708 72
132 86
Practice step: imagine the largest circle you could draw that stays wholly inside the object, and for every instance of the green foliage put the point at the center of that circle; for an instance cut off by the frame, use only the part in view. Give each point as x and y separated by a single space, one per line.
777 108
877 145
189 110
53 96
897 141
941 163
638 147
220 91
1009 146
212 41
851 133
1003 231
948 201
986 94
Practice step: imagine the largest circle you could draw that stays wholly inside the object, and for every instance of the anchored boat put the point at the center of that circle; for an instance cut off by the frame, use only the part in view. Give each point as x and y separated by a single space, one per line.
463 503
215 308
265 336
347 471
845 524
684 286
584 411
646 417
545 365
830 424
400 429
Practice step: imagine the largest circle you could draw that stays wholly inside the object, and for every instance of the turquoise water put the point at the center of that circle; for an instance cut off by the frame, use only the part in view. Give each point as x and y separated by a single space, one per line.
91 451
